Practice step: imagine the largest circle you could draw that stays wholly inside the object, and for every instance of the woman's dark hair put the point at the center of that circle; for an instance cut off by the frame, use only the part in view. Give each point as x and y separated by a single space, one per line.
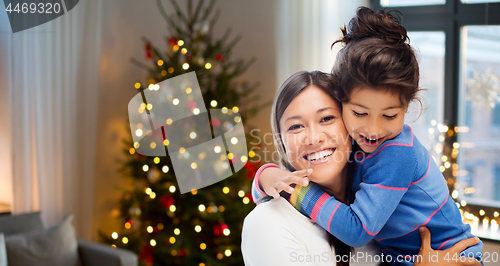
376 54
292 87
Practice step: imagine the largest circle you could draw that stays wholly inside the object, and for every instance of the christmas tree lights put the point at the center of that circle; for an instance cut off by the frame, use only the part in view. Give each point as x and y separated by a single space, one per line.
163 226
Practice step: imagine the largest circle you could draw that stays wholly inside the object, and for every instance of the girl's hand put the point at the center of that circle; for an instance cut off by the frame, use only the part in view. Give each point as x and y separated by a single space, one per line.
274 180
447 257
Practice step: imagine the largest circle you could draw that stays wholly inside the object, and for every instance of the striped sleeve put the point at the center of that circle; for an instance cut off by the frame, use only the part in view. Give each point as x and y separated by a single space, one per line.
385 183
258 193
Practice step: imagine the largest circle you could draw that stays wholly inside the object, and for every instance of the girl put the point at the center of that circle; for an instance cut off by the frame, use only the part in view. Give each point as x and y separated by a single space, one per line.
398 187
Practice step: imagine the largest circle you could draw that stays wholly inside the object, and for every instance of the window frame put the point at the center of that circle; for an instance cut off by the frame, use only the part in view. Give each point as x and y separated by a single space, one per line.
450 18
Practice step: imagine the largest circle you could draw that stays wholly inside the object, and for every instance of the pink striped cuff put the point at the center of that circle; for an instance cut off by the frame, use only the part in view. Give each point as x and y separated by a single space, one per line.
257 175
318 206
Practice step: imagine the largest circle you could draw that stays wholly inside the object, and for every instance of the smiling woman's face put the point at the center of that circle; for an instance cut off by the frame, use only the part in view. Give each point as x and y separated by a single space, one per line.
315 137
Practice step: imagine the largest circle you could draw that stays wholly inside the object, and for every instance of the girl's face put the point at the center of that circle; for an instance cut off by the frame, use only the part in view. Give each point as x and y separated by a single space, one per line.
372 117
314 136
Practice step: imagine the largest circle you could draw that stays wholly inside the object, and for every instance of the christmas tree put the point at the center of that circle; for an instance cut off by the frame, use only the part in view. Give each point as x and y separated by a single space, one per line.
202 227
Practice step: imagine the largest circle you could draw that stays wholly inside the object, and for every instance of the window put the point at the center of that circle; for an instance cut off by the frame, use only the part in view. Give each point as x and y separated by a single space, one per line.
496 184
463 83
429 47
480 89
496 117
479 1
411 2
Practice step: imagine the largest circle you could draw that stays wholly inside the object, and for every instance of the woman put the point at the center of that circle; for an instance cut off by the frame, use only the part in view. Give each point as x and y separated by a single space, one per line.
309 133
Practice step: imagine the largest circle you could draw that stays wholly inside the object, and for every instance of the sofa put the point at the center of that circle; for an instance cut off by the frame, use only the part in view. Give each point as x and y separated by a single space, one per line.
15 228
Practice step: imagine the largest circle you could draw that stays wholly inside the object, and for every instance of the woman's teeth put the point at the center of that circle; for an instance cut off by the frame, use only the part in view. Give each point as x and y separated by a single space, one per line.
319 155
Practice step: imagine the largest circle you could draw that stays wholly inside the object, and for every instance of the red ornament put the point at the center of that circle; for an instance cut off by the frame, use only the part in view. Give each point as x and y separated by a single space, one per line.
216 123
189 57
173 40
191 105
248 195
183 252
234 160
217 230
166 201
251 170
248 165
148 51
147 253
219 57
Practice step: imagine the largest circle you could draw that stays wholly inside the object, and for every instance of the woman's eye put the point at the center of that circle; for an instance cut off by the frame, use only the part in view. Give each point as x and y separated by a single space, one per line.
294 127
390 117
358 114
328 118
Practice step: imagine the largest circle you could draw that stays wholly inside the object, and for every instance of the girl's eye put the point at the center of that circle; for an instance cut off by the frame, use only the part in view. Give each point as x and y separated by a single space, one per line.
328 118
358 114
390 117
294 127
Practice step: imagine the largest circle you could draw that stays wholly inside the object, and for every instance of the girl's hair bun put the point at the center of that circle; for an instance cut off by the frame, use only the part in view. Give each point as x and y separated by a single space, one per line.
376 55
368 24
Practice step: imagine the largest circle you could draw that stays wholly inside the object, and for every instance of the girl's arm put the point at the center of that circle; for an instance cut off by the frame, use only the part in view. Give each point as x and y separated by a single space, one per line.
270 180
258 193
386 180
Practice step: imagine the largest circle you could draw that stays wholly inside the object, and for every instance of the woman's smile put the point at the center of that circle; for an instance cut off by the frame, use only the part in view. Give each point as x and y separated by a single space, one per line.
320 156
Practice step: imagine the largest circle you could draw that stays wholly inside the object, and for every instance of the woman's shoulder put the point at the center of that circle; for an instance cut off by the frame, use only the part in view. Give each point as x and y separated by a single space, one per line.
277 212
274 233
279 217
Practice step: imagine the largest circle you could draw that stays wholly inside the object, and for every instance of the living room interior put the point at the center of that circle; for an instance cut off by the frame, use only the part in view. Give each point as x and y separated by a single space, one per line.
71 170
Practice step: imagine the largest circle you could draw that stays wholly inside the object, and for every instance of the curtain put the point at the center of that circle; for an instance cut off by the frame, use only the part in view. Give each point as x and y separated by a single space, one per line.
53 91
306 29
5 136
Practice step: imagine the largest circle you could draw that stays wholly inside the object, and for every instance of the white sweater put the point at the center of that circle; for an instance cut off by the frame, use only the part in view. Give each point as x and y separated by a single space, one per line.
274 233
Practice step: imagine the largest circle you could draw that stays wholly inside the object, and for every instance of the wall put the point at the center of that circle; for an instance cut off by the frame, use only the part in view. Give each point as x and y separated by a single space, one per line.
123 26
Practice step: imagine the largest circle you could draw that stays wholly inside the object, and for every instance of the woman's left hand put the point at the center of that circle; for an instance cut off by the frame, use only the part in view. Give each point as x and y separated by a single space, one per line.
429 257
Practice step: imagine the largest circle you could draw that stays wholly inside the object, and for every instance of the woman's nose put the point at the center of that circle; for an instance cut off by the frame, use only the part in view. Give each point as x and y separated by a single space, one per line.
314 136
